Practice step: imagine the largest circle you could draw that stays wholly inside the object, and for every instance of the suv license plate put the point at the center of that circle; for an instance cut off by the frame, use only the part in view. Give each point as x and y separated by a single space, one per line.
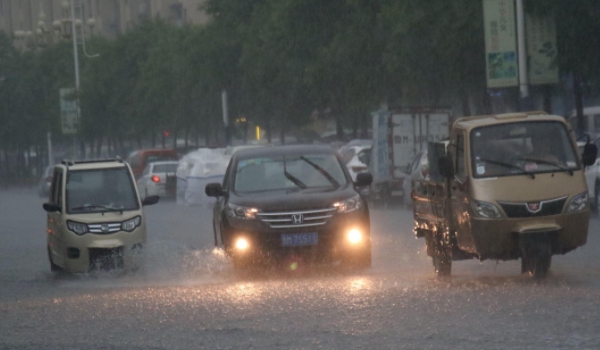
299 239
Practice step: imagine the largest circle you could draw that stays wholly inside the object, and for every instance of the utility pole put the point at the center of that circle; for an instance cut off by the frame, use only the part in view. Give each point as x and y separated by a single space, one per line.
77 82
524 103
225 117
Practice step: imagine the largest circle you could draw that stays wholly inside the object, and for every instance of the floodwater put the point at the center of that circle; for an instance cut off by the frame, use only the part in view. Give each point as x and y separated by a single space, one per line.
188 296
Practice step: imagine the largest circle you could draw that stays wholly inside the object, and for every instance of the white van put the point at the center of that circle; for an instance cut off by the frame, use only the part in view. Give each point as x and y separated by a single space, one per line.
95 217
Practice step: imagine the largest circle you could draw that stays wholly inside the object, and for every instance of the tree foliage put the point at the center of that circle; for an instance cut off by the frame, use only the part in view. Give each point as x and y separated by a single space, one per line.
280 62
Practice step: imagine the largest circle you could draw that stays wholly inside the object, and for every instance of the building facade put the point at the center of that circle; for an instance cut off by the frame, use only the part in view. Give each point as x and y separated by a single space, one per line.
108 18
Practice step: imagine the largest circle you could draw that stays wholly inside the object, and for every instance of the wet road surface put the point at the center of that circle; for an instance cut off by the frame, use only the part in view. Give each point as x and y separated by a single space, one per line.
187 295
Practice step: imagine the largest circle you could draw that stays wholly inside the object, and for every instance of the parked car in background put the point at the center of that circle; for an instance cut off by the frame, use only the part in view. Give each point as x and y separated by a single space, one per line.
419 170
45 182
592 175
139 160
158 179
356 159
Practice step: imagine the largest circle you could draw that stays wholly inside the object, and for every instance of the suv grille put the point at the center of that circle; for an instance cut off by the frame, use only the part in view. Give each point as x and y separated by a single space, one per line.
293 219
104 228
523 210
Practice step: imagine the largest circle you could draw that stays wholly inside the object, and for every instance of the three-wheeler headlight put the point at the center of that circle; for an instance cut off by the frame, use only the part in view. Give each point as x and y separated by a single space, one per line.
130 225
485 209
77 227
578 203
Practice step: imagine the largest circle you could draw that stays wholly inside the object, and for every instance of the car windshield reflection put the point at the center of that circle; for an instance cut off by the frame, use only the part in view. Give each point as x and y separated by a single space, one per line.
288 172
100 190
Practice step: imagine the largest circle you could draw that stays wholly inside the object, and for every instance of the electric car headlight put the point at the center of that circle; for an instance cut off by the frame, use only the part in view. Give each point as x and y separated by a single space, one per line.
130 225
485 210
239 212
578 203
348 205
77 227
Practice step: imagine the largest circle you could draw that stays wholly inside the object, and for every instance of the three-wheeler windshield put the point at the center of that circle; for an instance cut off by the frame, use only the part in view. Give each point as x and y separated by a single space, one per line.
522 148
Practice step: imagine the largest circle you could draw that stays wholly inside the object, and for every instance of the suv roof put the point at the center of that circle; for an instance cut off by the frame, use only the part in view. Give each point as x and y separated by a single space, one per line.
283 150
93 163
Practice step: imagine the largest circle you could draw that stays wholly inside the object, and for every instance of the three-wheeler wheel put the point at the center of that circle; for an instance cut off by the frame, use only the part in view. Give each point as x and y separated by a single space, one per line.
442 260
536 254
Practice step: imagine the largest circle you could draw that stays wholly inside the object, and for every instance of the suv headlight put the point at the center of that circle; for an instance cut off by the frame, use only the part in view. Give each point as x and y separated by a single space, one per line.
485 209
239 212
130 225
348 205
77 227
578 203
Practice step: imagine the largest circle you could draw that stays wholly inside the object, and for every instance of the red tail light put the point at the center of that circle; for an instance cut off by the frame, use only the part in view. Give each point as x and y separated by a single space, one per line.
155 178
358 169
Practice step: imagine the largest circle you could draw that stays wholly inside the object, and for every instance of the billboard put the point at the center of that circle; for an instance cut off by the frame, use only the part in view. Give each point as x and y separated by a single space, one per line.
541 50
69 111
500 43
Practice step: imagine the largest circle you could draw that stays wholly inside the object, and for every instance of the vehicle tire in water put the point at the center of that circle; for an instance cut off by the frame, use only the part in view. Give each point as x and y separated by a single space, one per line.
53 266
536 258
442 262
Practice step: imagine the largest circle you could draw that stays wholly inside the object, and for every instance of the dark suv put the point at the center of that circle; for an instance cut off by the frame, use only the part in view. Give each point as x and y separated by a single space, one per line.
277 202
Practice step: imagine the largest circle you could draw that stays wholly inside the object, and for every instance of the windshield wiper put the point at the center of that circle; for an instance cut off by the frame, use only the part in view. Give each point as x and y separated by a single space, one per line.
570 171
105 208
291 177
508 165
322 171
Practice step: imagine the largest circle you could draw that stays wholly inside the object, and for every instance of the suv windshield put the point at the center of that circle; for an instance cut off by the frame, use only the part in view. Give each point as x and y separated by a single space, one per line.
100 190
522 148
287 172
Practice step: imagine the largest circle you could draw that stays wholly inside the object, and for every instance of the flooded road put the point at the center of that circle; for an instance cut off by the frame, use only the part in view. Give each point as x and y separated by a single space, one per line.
187 295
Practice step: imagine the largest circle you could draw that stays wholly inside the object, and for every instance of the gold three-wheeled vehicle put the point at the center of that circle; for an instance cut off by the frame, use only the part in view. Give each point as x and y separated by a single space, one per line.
504 187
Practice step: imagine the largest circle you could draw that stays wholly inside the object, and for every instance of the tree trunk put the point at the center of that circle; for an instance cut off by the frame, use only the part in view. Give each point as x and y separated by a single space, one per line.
487 102
6 166
187 134
578 105
121 152
548 98
99 147
365 126
175 139
466 108
339 129
269 130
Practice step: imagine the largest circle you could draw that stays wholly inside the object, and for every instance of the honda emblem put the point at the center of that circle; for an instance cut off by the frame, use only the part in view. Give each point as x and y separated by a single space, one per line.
297 218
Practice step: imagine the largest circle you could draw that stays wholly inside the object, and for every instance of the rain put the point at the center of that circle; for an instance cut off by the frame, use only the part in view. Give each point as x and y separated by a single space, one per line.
129 125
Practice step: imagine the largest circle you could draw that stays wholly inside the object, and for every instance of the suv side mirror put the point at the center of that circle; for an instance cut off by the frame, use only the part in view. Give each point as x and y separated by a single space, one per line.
590 151
446 166
150 200
52 207
214 190
363 179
